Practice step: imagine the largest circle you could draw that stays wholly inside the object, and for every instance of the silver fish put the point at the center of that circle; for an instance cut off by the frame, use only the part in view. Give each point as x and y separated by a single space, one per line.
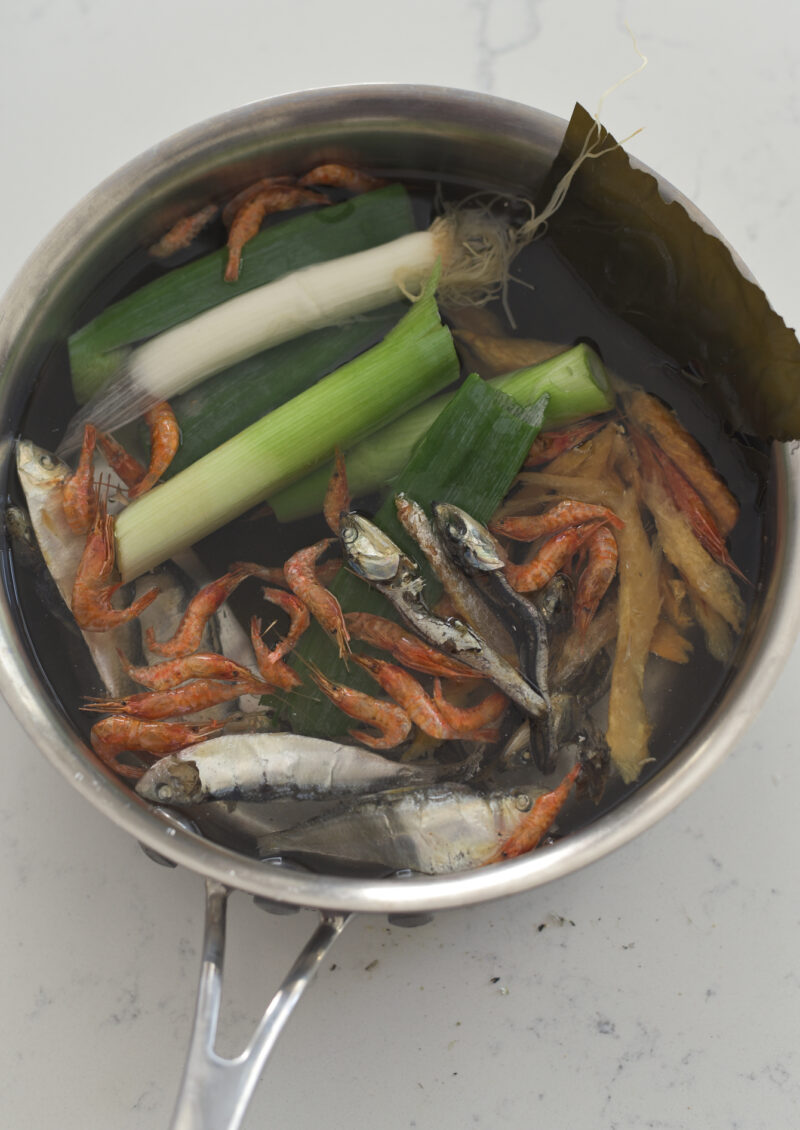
28 557
43 477
554 601
268 766
565 720
376 558
577 655
177 588
226 634
468 541
467 602
433 830
405 591
372 553
475 550
517 750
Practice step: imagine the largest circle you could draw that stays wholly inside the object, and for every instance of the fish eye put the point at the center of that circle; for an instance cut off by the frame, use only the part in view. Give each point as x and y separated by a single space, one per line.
164 792
47 461
523 802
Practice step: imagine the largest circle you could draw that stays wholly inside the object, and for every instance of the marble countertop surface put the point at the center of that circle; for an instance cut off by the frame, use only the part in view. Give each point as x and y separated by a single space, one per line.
659 987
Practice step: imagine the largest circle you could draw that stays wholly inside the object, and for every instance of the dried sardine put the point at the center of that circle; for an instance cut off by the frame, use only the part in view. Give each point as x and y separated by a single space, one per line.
471 607
43 477
474 549
373 556
433 830
247 766
476 552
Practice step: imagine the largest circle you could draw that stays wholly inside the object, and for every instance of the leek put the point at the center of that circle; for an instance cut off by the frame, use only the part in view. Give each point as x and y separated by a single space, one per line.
415 359
224 405
98 349
317 296
575 381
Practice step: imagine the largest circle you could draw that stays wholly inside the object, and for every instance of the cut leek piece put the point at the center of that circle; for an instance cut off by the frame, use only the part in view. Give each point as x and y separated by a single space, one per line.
417 358
575 382
469 456
226 404
323 294
98 349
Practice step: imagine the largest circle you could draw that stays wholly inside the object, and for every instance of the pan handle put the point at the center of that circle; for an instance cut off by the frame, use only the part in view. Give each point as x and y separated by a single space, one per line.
214 1092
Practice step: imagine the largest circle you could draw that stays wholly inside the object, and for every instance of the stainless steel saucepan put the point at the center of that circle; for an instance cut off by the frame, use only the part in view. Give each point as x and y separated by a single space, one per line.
461 136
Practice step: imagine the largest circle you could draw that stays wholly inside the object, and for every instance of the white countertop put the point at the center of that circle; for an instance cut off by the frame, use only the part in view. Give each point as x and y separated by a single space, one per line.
658 988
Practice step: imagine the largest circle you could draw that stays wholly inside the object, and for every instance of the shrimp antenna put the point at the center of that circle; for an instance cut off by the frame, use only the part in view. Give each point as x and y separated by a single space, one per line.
313 669
263 631
316 672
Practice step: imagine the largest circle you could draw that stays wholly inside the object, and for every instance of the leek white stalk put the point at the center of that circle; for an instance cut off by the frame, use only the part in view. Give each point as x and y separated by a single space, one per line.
321 295
474 247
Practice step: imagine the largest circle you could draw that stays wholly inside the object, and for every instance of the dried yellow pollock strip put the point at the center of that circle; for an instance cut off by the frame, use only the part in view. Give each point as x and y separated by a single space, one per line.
668 643
639 604
576 652
673 439
674 597
535 487
496 355
707 580
719 637
590 460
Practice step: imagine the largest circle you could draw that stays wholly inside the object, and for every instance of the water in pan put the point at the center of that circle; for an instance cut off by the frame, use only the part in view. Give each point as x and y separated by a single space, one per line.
548 302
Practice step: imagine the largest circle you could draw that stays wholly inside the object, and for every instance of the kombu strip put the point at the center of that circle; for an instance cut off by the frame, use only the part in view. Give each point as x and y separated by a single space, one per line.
678 285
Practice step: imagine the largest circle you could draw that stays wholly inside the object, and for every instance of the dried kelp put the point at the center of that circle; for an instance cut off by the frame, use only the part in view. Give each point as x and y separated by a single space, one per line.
652 264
